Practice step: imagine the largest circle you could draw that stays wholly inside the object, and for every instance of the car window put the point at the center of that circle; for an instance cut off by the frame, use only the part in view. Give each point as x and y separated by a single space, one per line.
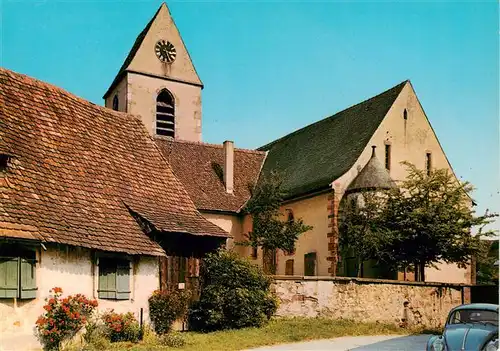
474 316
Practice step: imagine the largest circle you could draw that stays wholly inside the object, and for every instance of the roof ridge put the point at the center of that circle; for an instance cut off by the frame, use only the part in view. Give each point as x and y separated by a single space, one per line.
218 146
298 131
21 76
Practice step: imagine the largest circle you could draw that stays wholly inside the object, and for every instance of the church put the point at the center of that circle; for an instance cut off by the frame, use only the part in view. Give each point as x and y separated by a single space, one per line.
118 201
319 162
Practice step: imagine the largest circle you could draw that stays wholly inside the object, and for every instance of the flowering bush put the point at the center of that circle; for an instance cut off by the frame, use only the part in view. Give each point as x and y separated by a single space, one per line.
166 306
63 318
121 326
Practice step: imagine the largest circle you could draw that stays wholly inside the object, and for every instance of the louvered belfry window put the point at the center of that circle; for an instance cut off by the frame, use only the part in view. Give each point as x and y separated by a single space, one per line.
165 114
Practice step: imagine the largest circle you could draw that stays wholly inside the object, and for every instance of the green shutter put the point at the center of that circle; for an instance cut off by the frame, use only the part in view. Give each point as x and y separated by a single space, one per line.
28 279
114 279
107 280
9 277
123 281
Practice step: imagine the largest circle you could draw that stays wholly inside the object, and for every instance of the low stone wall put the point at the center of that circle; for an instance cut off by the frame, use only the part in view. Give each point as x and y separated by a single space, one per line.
369 300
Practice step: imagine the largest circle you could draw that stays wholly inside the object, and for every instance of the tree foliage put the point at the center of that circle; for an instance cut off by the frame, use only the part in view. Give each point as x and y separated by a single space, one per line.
234 294
428 219
361 232
486 271
270 230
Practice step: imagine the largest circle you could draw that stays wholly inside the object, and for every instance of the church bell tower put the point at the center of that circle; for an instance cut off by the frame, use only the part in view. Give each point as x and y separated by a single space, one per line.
159 83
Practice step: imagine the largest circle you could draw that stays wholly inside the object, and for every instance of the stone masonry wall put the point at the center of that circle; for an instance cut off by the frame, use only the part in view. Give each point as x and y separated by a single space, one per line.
367 300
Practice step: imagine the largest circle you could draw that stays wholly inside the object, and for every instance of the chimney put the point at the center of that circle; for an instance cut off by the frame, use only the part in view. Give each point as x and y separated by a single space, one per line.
229 166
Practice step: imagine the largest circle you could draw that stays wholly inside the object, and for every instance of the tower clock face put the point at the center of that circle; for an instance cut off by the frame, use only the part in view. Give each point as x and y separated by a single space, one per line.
165 51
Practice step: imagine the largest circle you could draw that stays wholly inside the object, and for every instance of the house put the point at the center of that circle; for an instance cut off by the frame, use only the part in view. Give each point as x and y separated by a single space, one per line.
88 203
158 82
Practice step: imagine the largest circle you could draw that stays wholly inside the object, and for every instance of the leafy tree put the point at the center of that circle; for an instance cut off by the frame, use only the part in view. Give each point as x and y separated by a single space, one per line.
271 231
360 232
429 219
486 271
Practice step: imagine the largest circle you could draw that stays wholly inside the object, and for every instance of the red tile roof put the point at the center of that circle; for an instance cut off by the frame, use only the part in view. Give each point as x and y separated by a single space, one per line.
79 168
196 164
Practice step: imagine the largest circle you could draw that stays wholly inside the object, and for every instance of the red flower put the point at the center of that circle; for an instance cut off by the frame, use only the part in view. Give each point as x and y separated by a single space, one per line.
57 290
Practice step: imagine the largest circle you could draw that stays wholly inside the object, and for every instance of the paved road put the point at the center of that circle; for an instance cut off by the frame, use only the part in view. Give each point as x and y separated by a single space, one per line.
357 343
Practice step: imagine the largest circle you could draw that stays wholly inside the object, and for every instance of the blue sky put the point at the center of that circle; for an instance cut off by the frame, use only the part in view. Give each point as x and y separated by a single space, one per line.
272 67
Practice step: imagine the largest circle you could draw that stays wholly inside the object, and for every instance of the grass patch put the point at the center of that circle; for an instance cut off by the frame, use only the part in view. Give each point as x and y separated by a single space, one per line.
277 331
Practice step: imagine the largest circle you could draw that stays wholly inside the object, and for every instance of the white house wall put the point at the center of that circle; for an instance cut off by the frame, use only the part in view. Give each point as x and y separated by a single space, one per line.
71 269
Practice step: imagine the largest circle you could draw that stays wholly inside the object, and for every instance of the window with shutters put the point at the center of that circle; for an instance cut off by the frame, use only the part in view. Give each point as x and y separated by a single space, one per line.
114 278
310 264
17 273
165 114
289 267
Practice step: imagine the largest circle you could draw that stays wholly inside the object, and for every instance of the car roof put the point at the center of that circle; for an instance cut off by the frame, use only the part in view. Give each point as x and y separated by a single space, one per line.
477 306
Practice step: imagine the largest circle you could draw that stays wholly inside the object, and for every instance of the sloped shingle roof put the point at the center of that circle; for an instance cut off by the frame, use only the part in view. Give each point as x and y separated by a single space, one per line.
196 164
80 167
312 157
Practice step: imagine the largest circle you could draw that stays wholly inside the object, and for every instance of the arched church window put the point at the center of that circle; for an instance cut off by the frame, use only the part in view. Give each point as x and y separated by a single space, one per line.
115 103
165 114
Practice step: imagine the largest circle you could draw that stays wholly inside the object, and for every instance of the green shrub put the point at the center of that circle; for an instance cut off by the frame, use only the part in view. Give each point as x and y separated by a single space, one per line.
234 294
165 307
121 326
172 340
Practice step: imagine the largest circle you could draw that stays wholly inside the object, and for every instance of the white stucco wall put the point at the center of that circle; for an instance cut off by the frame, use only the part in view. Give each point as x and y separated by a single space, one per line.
71 269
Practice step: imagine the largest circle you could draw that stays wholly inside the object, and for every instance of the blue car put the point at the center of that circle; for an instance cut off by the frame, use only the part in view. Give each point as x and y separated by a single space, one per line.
471 327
